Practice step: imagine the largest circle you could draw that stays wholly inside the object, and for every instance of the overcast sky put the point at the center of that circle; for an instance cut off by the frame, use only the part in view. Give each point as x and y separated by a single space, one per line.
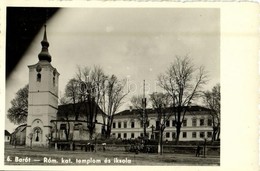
136 43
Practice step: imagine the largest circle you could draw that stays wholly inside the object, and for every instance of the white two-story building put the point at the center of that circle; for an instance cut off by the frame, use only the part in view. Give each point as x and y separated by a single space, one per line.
197 125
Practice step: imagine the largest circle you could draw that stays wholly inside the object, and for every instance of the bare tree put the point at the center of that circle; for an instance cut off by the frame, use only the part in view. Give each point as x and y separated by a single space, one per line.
112 98
72 96
212 101
18 112
138 104
162 104
183 82
92 84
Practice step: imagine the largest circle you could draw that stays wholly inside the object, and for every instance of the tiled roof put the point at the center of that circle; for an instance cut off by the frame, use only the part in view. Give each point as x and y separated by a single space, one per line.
153 111
68 109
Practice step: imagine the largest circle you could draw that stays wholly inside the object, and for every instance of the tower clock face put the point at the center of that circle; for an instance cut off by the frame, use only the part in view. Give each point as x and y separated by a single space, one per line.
38 68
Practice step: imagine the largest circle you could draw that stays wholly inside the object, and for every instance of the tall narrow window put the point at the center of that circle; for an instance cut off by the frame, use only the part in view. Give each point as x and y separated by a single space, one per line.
201 122
125 124
167 135
194 122
173 123
194 134
132 124
173 135
209 122
184 134
167 123
53 80
39 76
185 122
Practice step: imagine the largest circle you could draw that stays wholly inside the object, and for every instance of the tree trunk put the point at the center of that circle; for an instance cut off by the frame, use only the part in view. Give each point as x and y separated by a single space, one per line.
161 142
144 129
215 130
108 132
218 133
178 132
91 132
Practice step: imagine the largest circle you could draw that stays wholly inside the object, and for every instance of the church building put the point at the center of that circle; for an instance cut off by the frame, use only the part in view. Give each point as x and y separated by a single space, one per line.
46 121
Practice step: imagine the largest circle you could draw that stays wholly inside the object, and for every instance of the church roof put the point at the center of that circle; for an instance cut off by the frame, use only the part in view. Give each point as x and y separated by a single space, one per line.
80 108
20 128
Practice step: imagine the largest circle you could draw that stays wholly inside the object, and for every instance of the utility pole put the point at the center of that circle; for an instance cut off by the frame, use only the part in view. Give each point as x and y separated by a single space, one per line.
144 106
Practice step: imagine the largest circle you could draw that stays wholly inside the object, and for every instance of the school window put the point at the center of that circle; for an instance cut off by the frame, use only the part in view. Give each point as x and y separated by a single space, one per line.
119 135
114 134
132 124
194 122
184 122
173 135
147 123
209 122
194 134
114 125
141 124
132 135
201 122
125 135
209 134
184 134
167 123
141 134
173 123
157 125
63 126
167 135
202 134
119 124
125 124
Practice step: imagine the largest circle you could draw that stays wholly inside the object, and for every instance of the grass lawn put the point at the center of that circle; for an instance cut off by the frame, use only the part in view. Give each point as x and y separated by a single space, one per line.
44 156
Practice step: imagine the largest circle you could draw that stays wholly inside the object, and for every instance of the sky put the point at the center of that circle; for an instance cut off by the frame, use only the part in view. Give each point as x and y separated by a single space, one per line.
133 43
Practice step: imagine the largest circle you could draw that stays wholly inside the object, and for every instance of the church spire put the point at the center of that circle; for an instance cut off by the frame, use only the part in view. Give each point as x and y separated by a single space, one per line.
44 54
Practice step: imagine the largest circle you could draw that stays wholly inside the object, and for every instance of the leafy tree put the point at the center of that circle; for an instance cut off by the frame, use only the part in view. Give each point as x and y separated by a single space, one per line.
212 101
183 82
18 112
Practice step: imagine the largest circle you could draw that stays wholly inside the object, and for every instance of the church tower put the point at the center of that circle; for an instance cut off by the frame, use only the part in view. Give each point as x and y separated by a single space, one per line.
43 97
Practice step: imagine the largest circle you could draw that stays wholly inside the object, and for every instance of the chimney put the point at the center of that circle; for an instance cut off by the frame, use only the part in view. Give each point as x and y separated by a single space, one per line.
130 108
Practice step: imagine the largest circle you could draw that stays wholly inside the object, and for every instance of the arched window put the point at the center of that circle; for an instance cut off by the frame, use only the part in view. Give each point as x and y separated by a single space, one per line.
39 76
37 134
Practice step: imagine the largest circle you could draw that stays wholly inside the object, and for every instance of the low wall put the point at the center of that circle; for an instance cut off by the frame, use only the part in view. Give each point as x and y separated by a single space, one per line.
177 149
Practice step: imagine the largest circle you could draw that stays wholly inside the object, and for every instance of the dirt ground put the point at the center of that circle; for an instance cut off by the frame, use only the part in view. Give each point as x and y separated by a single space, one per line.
44 156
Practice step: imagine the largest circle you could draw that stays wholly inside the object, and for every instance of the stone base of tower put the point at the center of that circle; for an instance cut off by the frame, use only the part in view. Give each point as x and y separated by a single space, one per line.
37 136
